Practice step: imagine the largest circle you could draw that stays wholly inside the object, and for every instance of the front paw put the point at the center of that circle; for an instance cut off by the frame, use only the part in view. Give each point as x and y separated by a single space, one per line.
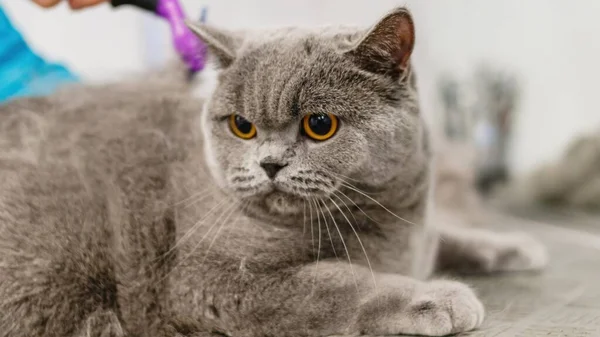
438 308
516 252
445 307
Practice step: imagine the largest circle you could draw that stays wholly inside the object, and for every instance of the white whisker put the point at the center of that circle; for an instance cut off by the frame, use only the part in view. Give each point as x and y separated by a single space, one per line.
312 235
339 175
358 207
348 208
243 209
358 238
192 229
304 219
223 224
328 232
198 243
195 195
341 178
380 205
343 243
319 249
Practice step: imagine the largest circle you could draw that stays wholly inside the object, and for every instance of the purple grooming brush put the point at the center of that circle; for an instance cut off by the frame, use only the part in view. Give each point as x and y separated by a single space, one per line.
191 50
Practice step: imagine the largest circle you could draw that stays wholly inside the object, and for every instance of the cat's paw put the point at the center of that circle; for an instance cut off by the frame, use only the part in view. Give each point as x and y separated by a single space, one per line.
515 252
437 308
442 308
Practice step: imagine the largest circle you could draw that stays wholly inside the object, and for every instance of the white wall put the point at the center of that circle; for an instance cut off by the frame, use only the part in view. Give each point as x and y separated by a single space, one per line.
551 45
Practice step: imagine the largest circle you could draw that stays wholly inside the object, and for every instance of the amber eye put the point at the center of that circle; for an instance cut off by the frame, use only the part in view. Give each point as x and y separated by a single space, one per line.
241 127
320 126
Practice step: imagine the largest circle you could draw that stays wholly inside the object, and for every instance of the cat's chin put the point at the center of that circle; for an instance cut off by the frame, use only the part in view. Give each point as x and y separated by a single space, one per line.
282 203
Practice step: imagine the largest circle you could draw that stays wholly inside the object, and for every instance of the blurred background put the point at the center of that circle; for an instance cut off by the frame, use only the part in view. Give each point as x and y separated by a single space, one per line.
516 78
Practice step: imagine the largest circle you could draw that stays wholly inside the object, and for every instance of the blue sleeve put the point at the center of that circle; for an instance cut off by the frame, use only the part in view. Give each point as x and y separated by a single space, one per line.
23 72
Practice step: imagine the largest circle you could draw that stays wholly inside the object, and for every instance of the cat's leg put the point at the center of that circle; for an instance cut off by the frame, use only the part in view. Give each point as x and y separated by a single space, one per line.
337 299
476 250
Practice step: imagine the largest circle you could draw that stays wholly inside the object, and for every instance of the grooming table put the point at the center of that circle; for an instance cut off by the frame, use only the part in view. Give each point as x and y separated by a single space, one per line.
564 300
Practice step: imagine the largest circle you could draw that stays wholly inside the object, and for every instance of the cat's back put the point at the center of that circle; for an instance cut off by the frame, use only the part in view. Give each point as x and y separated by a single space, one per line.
91 137
48 128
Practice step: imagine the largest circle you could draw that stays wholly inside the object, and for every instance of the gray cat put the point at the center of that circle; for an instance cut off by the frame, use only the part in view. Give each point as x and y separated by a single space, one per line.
295 204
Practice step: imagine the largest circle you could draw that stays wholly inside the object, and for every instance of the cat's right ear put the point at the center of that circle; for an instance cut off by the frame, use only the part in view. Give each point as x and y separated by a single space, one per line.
222 44
387 47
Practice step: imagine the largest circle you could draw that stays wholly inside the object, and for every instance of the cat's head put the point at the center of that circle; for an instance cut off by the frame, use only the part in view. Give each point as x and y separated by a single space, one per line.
296 114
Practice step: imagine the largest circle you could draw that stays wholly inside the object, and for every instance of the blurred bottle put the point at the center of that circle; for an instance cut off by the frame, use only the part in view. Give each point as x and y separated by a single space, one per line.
478 114
497 95
23 72
455 117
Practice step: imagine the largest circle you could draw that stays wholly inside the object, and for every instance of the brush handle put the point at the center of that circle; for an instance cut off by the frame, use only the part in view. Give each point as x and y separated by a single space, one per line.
149 5
187 45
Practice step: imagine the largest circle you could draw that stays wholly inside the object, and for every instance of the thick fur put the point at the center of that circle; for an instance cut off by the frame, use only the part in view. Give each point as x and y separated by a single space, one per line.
129 210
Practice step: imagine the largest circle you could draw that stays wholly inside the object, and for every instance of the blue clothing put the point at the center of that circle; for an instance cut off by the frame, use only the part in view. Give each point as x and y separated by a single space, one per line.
22 72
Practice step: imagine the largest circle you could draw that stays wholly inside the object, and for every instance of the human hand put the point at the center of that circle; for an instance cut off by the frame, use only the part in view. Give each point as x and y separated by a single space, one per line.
74 4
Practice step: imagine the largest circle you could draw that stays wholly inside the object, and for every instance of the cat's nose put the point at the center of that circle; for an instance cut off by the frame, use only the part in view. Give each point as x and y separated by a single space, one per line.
272 168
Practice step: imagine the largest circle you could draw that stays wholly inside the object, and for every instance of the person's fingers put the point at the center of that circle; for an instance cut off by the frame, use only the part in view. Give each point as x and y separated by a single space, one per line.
74 4
78 4
47 3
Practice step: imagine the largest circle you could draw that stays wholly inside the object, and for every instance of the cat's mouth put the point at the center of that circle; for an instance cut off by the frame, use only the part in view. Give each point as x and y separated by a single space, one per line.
285 197
281 202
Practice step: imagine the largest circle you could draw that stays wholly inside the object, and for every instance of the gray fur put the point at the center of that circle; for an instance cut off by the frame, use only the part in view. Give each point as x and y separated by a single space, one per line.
125 211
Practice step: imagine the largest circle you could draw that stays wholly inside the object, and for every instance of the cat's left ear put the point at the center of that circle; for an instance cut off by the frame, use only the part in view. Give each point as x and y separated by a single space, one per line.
221 43
387 47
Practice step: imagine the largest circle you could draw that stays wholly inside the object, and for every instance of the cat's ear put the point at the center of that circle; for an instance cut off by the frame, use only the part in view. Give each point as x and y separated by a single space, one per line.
221 43
387 47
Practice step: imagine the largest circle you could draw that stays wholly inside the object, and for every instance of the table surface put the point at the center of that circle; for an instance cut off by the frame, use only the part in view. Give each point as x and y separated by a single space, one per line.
564 300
